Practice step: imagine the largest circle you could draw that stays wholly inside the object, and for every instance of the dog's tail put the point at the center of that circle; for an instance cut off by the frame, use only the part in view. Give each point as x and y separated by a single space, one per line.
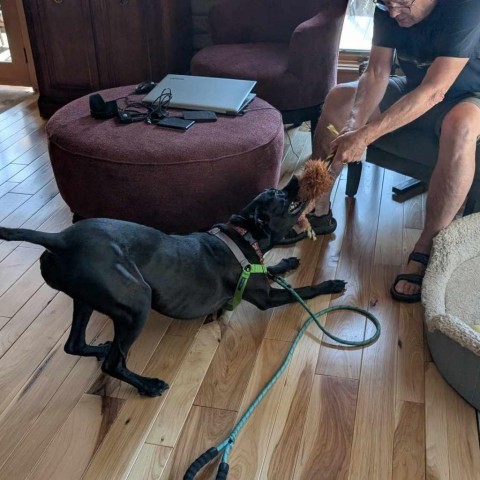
51 241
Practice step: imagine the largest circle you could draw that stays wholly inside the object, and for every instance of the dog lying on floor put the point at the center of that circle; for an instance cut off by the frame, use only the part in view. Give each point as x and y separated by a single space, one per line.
123 270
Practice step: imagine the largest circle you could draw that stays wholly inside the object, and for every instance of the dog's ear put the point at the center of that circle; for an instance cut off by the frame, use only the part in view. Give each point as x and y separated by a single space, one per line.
292 187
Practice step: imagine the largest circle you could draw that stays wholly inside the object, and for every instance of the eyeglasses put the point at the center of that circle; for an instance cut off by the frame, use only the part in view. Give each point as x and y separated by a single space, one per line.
387 8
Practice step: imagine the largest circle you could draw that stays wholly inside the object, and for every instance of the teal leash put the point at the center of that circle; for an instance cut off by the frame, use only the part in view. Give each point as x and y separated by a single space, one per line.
227 445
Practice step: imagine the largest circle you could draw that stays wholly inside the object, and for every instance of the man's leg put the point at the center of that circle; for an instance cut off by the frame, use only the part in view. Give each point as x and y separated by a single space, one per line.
450 182
336 111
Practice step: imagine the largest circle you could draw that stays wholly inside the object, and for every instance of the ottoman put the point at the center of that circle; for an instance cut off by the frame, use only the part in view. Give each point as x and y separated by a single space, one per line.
175 181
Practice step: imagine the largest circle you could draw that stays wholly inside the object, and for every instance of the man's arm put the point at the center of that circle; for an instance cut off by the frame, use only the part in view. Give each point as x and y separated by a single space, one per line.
371 87
439 78
441 75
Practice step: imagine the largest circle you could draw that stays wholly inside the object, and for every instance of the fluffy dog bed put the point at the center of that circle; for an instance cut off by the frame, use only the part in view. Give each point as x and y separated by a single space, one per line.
451 296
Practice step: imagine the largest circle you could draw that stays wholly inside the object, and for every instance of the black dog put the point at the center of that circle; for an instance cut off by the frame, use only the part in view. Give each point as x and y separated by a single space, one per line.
123 270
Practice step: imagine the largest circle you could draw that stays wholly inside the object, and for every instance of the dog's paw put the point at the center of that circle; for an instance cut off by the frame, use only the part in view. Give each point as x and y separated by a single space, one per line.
337 286
291 263
330 286
152 387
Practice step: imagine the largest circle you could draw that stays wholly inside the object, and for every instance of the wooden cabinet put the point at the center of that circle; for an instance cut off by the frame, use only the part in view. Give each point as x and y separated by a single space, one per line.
80 46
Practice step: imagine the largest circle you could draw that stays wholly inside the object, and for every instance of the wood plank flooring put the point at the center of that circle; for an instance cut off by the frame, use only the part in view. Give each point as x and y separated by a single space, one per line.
379 413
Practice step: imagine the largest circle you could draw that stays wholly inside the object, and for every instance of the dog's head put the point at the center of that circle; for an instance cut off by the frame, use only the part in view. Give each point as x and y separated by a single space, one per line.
272 213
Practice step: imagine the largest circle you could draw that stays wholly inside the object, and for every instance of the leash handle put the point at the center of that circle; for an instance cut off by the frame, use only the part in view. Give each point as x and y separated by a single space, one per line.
200 462
222 471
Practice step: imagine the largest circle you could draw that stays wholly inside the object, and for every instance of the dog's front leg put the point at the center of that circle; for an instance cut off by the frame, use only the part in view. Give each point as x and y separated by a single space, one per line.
76 344
277 297
284 266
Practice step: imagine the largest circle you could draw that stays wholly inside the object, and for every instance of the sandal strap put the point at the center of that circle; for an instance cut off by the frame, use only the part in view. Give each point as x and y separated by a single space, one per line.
312 216
409 277
419 257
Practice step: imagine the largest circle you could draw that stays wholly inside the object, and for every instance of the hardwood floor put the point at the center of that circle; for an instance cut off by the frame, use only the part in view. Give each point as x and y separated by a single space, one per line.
378 413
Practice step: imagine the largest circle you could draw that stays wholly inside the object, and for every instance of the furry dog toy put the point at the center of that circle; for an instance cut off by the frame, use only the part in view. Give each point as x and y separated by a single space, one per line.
315 180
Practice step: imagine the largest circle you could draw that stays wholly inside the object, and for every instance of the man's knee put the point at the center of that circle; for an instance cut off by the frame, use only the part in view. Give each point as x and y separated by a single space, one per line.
341 96
462 123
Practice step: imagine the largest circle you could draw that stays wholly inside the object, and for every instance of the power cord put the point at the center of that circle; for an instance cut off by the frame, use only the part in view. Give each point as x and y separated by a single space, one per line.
137 111
160 107
291 145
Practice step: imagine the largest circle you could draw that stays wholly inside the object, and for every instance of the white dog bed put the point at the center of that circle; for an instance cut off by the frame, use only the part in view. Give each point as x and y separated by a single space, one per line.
451 296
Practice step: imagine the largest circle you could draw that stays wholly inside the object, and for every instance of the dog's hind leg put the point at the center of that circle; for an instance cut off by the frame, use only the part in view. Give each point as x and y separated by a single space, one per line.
76 344
128 324
284 266
277 297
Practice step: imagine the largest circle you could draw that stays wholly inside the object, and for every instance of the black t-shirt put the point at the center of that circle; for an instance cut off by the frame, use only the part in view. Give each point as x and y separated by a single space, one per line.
451 30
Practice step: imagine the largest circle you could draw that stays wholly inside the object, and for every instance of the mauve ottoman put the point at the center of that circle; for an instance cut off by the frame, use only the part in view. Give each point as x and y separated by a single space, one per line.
176 181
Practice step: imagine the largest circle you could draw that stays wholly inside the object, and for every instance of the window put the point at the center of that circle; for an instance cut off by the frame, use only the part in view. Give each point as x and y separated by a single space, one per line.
358 27
5 55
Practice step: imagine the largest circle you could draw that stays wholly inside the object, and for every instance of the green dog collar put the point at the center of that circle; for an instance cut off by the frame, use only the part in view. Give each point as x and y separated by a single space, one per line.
242 283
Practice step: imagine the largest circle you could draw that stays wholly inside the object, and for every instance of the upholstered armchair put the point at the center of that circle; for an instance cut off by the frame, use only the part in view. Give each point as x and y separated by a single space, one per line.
289 47
413 153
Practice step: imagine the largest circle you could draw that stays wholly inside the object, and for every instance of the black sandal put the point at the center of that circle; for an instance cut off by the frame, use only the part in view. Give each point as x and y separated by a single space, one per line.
414 278
322 225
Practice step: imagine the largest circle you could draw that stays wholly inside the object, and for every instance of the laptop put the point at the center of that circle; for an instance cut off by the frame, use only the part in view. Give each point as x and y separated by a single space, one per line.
220 95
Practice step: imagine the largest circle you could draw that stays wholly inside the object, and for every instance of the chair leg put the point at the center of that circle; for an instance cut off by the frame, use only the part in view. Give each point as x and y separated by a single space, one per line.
353 178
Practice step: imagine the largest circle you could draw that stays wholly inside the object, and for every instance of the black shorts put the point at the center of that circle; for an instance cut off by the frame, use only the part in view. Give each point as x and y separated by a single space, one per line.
430 121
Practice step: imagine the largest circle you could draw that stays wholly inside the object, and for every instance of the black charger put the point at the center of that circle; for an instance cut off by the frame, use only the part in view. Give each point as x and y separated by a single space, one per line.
126 116
101 109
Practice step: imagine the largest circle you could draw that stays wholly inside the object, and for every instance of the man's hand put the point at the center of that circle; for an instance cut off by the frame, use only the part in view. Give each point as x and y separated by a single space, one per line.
349 146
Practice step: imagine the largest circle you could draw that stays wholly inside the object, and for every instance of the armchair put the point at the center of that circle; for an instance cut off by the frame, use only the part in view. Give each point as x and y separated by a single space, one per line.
289 47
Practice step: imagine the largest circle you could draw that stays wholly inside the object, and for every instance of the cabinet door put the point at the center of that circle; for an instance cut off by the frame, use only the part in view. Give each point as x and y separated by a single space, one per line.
123 41
139 40
62 41
177 34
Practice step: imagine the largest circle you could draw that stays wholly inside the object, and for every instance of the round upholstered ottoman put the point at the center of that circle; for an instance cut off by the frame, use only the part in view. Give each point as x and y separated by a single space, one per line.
173 180
451 296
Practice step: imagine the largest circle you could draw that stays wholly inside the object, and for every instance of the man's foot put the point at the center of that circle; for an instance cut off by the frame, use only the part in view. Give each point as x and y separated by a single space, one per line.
322 225
407 286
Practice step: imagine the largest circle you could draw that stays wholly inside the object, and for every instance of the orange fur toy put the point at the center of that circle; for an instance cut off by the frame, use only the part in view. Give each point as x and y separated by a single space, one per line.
314 181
